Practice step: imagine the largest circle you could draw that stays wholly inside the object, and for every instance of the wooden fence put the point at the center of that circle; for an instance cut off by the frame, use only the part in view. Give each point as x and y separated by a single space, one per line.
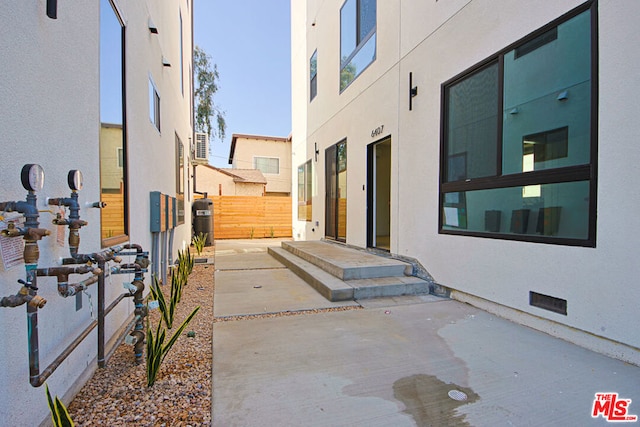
245 217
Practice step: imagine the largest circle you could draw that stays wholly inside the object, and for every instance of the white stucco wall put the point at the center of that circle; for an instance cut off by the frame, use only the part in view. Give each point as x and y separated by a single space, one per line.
49 114
437 41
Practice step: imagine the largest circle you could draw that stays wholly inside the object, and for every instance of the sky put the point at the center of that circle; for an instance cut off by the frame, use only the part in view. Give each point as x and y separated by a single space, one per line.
249 41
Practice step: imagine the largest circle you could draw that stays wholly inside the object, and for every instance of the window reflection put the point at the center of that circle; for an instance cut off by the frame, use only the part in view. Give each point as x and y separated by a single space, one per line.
112 147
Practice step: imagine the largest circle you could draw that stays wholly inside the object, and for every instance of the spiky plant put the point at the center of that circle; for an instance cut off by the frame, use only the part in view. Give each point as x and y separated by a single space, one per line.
59 413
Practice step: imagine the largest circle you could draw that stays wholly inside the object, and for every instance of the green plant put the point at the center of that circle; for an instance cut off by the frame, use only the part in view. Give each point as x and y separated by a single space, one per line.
186 262
59 413
199 242
157 350
167 309
251 233
271 232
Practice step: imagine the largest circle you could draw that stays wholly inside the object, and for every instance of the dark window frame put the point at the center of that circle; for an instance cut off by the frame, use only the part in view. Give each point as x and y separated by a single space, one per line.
586 172
361 41
306 188
313 75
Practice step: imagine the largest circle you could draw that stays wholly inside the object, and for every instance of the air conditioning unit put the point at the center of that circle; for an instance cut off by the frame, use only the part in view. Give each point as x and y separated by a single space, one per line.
201 152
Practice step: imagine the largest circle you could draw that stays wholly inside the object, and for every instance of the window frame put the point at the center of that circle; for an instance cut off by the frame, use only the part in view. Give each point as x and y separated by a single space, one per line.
313 76
306 169
154 104
110 240
360 43
575 173
255 164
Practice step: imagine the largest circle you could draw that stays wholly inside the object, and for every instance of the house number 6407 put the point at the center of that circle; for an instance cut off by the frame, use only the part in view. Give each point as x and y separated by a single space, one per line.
377 131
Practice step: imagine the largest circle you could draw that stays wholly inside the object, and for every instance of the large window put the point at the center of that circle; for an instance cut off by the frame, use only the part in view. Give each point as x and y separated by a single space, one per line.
112 139
357 39
305 192
269 165
518 148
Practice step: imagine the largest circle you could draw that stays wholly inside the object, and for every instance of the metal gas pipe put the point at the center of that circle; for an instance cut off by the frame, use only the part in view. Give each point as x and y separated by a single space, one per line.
62 273
32 177
74 179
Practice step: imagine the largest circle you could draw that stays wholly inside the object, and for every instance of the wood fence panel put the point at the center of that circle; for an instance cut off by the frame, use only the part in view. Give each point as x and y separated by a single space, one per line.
244 217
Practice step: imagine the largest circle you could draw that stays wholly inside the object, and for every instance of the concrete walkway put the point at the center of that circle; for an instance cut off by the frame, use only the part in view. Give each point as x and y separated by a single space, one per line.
393 362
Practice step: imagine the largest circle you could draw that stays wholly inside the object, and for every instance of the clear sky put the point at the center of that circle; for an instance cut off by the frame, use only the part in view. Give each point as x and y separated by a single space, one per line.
249 41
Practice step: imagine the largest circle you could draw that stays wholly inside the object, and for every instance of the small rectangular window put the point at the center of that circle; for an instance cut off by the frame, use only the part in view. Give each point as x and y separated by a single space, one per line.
154 105
268 165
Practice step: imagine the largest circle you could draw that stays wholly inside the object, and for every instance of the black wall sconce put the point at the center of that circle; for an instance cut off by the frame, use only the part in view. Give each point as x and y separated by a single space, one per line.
152 27
413 91
317 152
52 9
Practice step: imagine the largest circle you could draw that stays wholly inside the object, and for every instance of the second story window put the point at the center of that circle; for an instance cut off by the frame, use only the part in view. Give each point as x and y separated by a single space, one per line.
154 104
313 78
269 165
357 39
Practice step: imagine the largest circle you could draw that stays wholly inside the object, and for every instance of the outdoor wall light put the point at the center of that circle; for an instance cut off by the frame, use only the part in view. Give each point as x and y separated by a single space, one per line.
52 9
413 91
563 96
152 27
514 111
166 62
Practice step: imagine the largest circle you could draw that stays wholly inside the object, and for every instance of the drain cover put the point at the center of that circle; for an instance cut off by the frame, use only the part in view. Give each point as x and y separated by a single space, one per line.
457 395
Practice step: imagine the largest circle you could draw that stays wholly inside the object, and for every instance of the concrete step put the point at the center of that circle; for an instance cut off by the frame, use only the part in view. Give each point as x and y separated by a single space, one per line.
388 287
325 283
345 263
334 288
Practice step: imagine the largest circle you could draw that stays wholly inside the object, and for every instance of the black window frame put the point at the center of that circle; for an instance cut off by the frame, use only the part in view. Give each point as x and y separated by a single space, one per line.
585 172
313 75
306 190
361 41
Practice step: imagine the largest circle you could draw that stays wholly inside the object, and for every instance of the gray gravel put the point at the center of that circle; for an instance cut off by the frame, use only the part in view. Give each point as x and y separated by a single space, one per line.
118 396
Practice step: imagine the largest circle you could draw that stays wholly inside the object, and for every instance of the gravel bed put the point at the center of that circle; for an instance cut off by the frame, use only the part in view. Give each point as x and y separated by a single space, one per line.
118 395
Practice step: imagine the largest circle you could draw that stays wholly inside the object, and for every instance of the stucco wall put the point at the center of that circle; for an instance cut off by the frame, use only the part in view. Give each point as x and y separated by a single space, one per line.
436 41
49 113
247 149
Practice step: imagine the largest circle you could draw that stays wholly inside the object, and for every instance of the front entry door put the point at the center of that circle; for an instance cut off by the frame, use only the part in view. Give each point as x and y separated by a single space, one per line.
336 192
379 195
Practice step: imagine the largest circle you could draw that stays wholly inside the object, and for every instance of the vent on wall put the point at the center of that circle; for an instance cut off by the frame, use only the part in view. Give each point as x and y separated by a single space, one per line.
546 302
201 151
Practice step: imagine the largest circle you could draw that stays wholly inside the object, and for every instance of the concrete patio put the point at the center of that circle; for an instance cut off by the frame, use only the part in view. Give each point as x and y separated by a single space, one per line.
392 361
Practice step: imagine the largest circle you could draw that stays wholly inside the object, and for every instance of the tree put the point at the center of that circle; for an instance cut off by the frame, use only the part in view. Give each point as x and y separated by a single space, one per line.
206 79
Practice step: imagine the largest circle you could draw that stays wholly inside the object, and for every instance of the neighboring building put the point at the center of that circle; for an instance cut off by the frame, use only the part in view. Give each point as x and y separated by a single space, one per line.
101 87
270 155
229 182
493 141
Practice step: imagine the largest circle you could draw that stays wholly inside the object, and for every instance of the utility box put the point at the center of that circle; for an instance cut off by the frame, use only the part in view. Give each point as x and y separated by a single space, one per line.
202 214
158 212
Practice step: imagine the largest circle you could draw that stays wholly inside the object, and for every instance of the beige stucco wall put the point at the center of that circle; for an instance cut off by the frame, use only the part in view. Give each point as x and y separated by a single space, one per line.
49 114
436 41
247 148
218 183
